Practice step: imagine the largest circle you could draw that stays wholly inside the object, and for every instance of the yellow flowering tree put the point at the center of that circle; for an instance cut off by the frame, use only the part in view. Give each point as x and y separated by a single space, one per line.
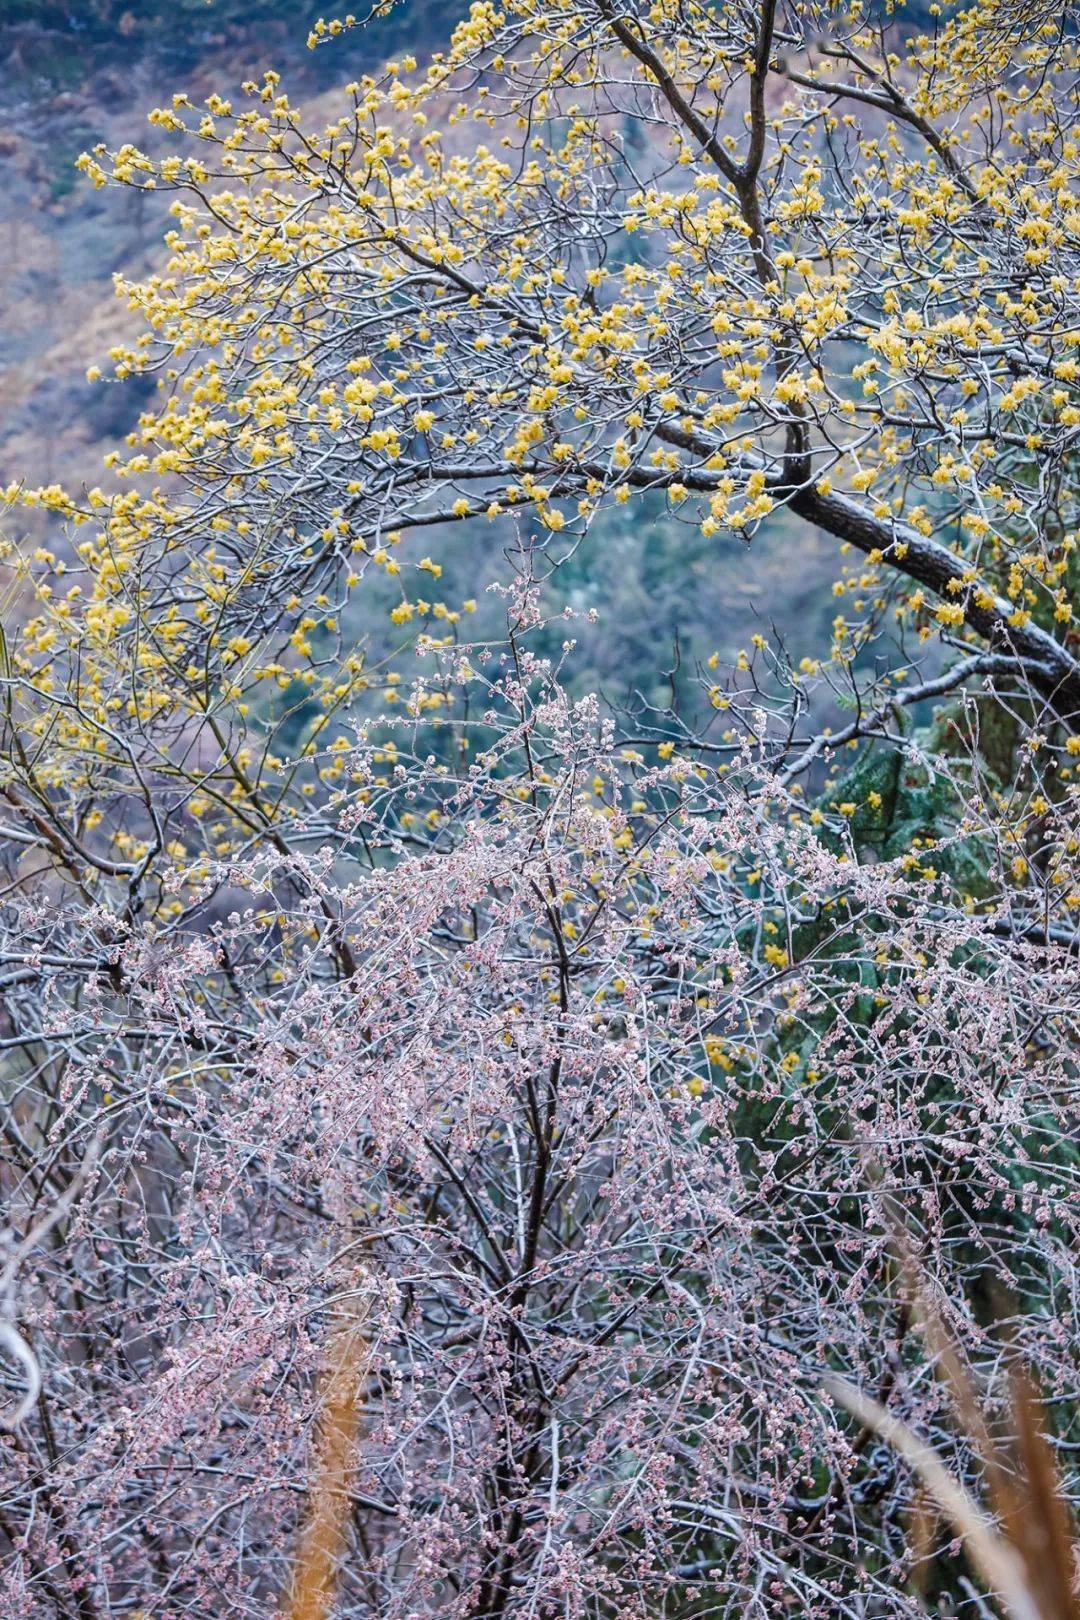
750 260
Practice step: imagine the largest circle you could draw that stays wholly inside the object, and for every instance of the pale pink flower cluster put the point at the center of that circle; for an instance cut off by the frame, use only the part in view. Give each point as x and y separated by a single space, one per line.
592 1103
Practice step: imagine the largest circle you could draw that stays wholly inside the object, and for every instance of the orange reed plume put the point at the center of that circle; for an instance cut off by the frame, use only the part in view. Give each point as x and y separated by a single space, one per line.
318 1559
1024 1548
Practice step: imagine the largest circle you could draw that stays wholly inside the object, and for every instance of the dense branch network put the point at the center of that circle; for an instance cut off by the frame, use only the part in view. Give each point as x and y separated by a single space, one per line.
450 1127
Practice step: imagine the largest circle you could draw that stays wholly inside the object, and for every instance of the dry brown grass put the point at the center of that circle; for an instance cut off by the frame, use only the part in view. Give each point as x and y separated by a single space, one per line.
1022 1544
321 1544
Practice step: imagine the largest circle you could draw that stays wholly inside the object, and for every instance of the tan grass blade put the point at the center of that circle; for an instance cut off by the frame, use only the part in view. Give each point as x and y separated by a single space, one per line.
1000 1565
1039 1525
318 1559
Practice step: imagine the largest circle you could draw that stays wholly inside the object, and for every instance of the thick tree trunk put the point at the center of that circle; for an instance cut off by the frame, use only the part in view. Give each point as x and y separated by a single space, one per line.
1050 667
